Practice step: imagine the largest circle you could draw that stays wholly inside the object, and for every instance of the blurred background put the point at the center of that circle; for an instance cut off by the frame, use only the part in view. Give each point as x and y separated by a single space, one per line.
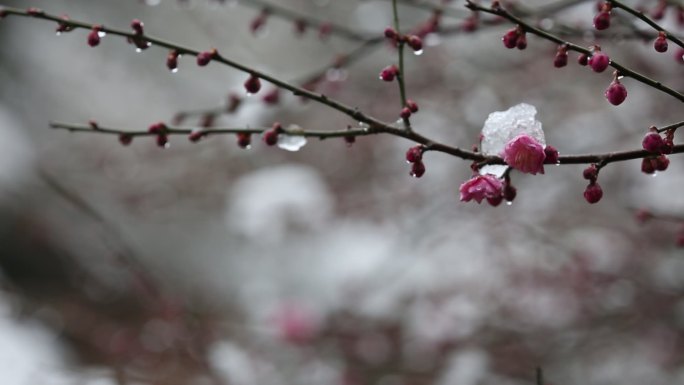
204 263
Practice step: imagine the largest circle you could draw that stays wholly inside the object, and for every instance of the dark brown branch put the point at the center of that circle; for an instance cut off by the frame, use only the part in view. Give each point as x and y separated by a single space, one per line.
640 15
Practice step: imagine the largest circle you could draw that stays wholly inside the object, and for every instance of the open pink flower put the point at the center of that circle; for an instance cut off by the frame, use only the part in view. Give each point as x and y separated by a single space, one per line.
480 187
525 154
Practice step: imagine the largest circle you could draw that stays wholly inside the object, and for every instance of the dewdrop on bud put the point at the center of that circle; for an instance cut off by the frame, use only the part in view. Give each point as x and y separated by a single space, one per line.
415 42
662 162
172 61
252 84
648 166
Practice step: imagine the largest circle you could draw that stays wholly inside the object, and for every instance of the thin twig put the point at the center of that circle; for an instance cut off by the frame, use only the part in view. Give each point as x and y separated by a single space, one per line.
640 15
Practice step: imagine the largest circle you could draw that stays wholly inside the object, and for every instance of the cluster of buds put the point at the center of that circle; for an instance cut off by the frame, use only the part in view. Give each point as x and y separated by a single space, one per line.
414 156
515 38
616 93
410 108
593 193
654 143
413 41
138 40
161 131
270 137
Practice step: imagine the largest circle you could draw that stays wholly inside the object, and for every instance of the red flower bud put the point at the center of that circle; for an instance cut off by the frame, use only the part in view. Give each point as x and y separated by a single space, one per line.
414 154
417 169
389 73
590 173
244 139
196 135
405 113
661 163
551 155
593 193
270 137
510 38
599 61
602 20
94 36
125 139
652 142
522 41
660 43
415 42
172 60
391 33
561 59
137 26
583 59
648 166
203 58
616 93
252 84
413 106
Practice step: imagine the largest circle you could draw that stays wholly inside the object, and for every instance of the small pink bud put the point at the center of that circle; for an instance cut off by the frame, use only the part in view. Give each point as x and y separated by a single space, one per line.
391 33
125 139
389 73
599 61
415 42
660 43
196 135
63 26
413 106
616 93
602 20
583 59
162 140
252 84
417 169
652 142
510 38
233 103
414 154
172 60
470 24
244 139
405 113
270 137
300 26
525 154
551 155
593 193
662 163
350 139
272 97
94 36
561 59
324 30
137 26
648 166
522 41
590 173
659 11
509 192
203 58
157 128
480 187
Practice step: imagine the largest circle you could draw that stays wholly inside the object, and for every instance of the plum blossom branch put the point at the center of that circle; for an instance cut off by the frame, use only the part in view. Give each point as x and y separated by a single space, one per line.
624 71
640 15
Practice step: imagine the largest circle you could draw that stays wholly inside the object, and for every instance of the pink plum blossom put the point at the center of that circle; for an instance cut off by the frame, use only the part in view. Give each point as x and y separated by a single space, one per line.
480 187
525 154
